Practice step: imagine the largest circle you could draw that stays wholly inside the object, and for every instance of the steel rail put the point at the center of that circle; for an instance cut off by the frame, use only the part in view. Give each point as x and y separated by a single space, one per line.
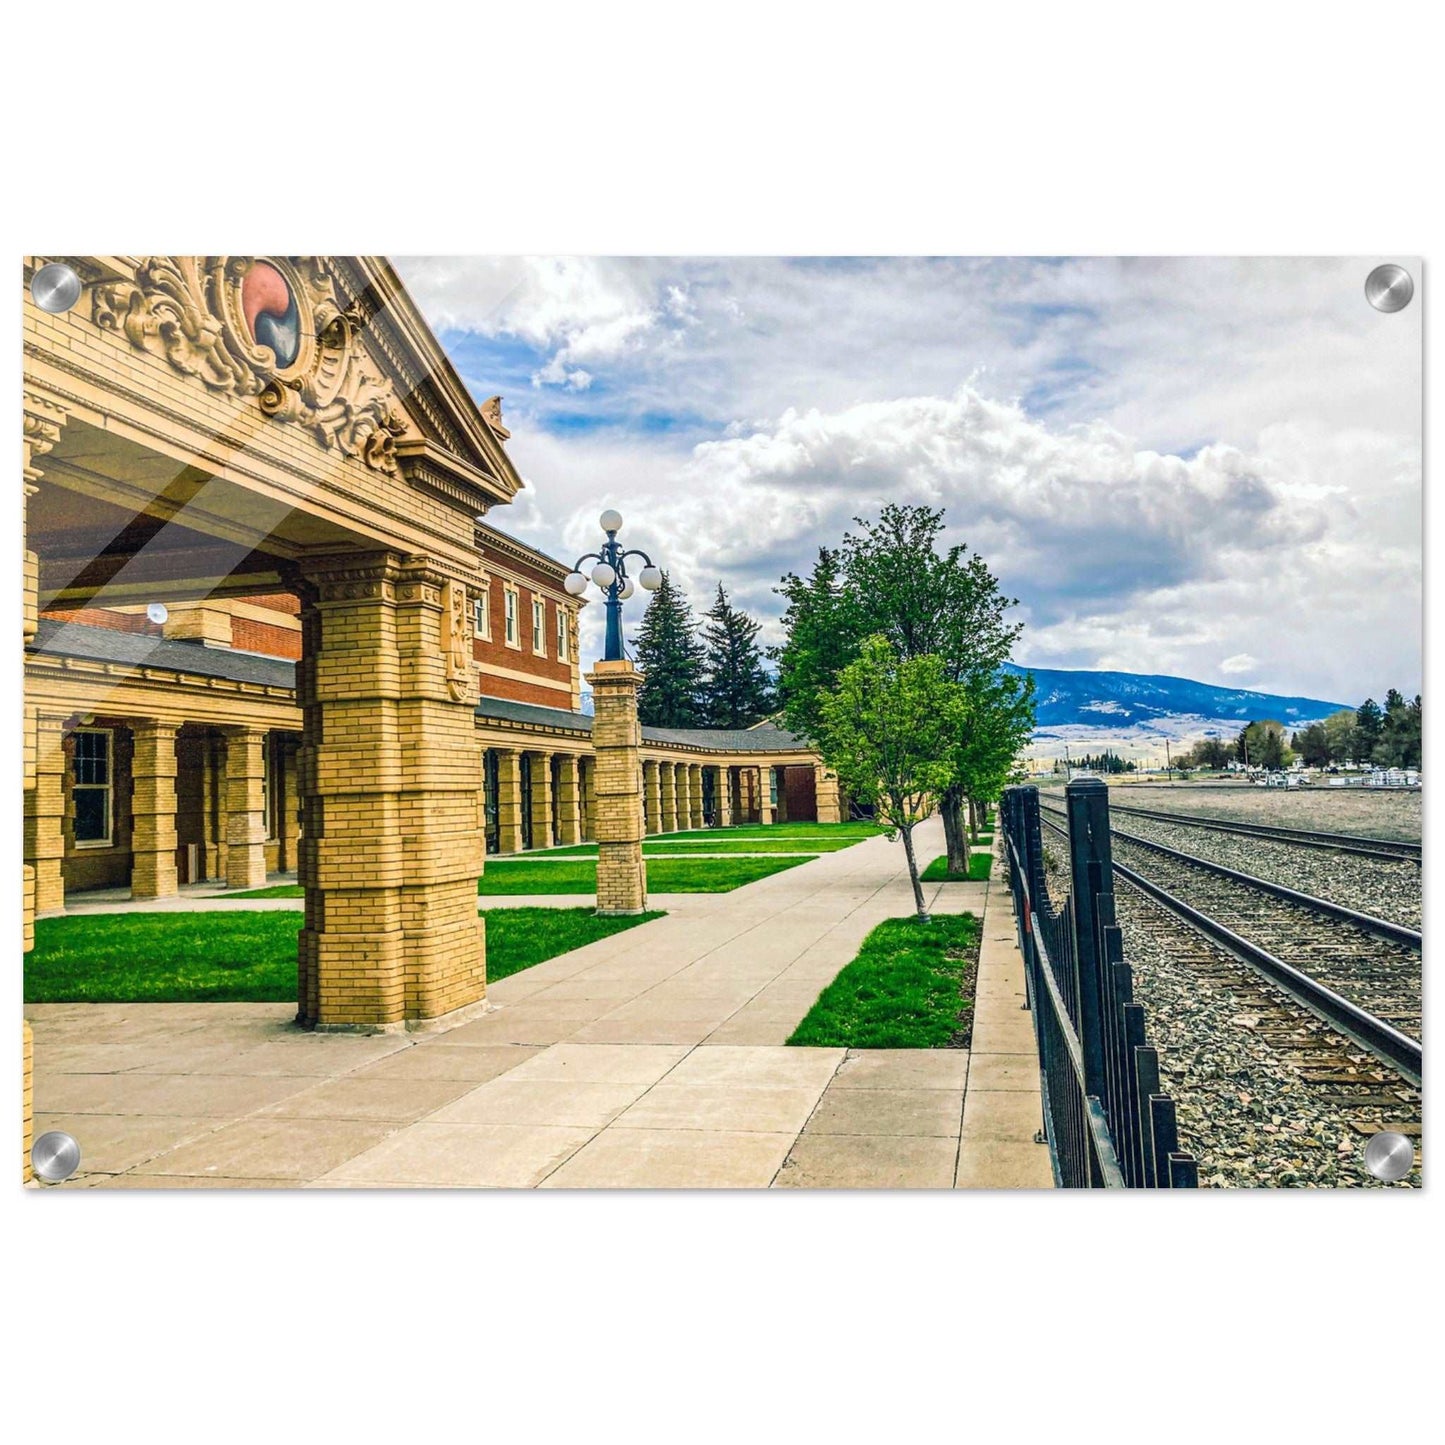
1381 927
1355 843
1383 1040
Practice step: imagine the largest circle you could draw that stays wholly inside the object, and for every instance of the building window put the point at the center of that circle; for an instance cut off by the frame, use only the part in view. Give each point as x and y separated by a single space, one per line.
561 635
539 627
482 615
92 785
510 595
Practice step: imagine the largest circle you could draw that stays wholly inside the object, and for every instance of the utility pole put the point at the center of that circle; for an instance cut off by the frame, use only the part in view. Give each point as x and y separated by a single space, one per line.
1169 762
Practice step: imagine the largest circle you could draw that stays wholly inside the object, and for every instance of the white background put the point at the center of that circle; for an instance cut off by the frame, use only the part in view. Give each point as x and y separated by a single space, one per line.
1221 129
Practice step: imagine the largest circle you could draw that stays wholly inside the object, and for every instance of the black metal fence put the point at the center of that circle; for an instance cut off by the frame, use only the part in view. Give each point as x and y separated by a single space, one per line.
1108 1124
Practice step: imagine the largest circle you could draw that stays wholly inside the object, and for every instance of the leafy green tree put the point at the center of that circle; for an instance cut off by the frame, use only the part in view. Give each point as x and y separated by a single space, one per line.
889 729
671 660
893 576
1313 745
1340 731
1209 753
997 717
735 688
1264 745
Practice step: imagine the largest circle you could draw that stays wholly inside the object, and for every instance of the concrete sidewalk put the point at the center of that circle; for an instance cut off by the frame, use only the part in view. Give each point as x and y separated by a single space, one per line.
652 1058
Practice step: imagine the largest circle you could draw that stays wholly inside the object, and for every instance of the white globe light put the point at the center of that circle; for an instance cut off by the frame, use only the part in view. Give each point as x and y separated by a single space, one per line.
157 612
603 575
611 521
650 578
575 583
626 590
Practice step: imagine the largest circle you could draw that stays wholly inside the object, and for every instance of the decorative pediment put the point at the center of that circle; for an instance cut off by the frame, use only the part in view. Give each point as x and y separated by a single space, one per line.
273 328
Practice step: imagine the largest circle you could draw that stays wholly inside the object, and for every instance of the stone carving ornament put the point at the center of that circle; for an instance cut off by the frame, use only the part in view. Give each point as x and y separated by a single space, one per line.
273 328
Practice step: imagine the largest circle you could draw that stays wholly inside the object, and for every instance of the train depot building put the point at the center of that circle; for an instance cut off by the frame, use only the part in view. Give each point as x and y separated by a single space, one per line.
274 625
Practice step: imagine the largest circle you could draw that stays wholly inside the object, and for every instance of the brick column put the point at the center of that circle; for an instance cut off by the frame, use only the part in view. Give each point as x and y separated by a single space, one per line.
390 851
724 795
509 800
668 775
826 785
694 773
588 767
45 815
245 822
569 799
765 795
153 809
542 800
654 797
683 787
616 736
290 827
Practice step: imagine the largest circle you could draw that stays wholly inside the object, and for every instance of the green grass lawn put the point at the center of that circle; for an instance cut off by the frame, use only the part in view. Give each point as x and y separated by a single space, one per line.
980 866
528 873
244 956
910 987
674 843
856 830
664 875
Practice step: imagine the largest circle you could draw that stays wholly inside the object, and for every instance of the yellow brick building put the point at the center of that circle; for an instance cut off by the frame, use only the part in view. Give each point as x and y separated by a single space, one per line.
271 627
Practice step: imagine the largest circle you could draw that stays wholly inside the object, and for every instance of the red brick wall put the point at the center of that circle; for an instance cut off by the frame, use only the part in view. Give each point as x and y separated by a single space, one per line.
522 658
515 691
286 602
103 617
250 636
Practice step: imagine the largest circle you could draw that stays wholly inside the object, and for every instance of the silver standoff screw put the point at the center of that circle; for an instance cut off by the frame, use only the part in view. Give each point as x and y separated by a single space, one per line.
1389 1156
55 287
1389 288
55 1156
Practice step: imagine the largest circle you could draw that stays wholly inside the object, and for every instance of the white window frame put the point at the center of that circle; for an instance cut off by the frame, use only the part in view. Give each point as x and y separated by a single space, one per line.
562 635
513 606
482 615
539 626
108 787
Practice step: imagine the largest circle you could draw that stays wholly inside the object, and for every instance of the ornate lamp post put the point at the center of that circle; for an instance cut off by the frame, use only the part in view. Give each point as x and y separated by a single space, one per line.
616 735
610 574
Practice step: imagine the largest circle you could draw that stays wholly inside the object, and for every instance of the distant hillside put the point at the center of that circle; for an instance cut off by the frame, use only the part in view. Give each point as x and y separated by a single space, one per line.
1117 700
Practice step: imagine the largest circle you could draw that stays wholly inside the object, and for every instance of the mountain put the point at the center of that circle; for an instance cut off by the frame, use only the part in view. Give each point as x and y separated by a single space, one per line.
1150 703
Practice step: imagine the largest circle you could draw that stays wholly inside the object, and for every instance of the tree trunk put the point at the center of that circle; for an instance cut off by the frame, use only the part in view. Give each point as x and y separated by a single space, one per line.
954 834
913 874
973 820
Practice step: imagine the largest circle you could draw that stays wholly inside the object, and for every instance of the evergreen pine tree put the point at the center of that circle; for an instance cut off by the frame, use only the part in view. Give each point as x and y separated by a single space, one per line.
671 660
736 692
1369 724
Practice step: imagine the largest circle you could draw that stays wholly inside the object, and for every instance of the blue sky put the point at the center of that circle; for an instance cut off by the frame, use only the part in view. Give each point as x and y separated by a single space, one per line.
1203 467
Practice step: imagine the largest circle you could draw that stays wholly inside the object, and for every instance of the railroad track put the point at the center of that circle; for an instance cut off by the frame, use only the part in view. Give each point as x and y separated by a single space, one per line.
1367 1093
1360 976
1389 849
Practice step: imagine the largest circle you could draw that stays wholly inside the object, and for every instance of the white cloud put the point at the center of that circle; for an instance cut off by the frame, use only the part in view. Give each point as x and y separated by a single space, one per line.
583 309
1169 462
1240 662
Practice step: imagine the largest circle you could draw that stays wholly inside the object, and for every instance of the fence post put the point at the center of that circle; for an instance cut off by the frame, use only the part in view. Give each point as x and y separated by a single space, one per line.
1087 801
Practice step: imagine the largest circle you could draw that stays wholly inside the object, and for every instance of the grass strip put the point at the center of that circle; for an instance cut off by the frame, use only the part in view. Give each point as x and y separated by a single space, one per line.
246 956
675 843
980 868
519 875
910 987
